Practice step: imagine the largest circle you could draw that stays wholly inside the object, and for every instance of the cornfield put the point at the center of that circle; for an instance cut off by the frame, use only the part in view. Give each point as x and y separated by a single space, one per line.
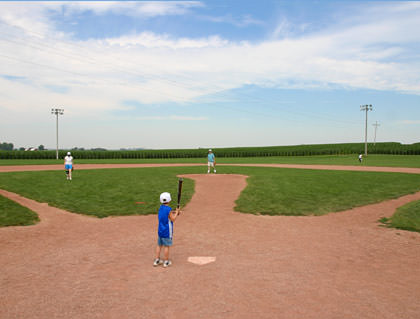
297 150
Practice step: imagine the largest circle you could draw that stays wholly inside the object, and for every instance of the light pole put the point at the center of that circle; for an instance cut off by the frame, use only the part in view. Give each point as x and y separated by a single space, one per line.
376 127
57 112
366 107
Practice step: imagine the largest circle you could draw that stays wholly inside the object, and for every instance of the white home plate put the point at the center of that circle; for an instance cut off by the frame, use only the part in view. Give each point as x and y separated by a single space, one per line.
201 260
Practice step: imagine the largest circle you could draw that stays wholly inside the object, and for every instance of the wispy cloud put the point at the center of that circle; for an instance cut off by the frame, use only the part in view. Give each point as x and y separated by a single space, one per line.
171 118
131 8
33 17
152 40
409 122
12 77
376 52
241 21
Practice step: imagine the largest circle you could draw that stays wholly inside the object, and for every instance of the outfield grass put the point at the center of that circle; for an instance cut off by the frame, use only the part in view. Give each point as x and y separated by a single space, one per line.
314 192
371 160
406 217
101 193
270 191
12 214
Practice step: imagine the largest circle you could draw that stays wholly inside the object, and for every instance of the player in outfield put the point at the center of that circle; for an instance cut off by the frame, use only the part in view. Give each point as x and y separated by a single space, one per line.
166 218
68 165
211 161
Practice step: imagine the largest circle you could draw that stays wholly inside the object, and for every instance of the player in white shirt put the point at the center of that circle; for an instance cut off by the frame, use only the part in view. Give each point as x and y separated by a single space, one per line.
68 165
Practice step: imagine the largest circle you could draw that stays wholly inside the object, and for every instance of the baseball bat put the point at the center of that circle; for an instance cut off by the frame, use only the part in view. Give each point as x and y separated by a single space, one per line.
179 191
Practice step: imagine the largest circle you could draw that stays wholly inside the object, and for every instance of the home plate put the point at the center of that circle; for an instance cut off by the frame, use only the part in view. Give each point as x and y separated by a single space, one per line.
201 260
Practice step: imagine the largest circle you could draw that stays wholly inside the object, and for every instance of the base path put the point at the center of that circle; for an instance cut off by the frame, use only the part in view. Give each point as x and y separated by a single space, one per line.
341 265
55 167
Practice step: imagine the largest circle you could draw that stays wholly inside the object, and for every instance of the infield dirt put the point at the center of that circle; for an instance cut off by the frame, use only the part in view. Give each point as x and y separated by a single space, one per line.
341 265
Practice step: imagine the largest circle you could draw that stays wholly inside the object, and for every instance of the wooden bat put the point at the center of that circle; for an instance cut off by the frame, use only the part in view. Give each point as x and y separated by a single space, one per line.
179 191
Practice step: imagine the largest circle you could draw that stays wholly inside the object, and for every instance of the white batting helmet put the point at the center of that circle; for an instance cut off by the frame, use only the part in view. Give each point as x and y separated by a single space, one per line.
68 153
165 198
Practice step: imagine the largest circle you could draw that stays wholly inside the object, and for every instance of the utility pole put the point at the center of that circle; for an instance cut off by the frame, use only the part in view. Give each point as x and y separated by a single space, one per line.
366 107
57 112
376 127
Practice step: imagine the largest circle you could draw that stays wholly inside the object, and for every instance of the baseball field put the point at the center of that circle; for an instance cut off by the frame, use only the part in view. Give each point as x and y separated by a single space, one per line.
274 237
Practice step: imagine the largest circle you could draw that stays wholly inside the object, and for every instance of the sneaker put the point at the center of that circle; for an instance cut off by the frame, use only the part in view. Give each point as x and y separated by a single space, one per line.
167 263
214 171
157 262
208 172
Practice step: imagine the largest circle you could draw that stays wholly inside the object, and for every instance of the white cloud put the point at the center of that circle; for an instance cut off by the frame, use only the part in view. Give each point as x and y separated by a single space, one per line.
32 17
152 40
409 122
131 8
171 118
155 68
242 21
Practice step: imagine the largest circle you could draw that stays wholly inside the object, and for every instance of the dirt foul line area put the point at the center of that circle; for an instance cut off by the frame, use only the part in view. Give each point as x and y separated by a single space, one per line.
341 265
410 170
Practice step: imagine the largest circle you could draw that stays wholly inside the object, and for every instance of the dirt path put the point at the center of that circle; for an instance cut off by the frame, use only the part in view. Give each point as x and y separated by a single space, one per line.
340 265
17 168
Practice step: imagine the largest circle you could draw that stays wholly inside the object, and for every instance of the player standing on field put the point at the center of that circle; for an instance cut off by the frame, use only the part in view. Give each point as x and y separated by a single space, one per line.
211 161
166 217
68 165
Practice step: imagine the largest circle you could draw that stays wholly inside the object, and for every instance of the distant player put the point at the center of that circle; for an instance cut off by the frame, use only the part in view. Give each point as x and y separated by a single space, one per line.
166 218
360 158
68 165
211 161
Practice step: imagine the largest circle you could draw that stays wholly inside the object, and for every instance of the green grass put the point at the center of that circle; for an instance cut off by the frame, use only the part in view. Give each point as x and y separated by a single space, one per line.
314 192
12 214
406 217
371 160
270 191
101 193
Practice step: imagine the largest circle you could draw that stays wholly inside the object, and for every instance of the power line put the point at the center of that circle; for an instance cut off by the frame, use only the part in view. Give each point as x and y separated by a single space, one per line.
85 59
366 108
376 127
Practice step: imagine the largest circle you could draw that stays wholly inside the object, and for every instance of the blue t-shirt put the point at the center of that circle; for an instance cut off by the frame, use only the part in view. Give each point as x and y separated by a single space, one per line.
210 157
166 226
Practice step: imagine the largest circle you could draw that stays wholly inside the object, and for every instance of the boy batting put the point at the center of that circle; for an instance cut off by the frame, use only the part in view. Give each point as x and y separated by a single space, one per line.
166 217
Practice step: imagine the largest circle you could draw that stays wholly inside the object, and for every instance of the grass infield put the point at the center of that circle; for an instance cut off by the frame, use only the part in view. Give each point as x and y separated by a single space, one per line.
270 191
371 160
406 217
12 214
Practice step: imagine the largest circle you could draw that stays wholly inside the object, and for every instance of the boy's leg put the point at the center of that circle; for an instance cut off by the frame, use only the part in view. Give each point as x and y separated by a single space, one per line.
158 251
167 262
166 252
208 167
157 261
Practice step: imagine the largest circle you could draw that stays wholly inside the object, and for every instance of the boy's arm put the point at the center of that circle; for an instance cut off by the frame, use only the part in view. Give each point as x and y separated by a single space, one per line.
174 214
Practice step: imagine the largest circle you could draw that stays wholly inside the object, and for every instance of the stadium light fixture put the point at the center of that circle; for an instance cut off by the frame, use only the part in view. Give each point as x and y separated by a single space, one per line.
366 108
57 112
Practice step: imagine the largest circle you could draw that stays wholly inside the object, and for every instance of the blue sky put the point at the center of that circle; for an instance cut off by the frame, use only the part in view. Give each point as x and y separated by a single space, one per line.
187 74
